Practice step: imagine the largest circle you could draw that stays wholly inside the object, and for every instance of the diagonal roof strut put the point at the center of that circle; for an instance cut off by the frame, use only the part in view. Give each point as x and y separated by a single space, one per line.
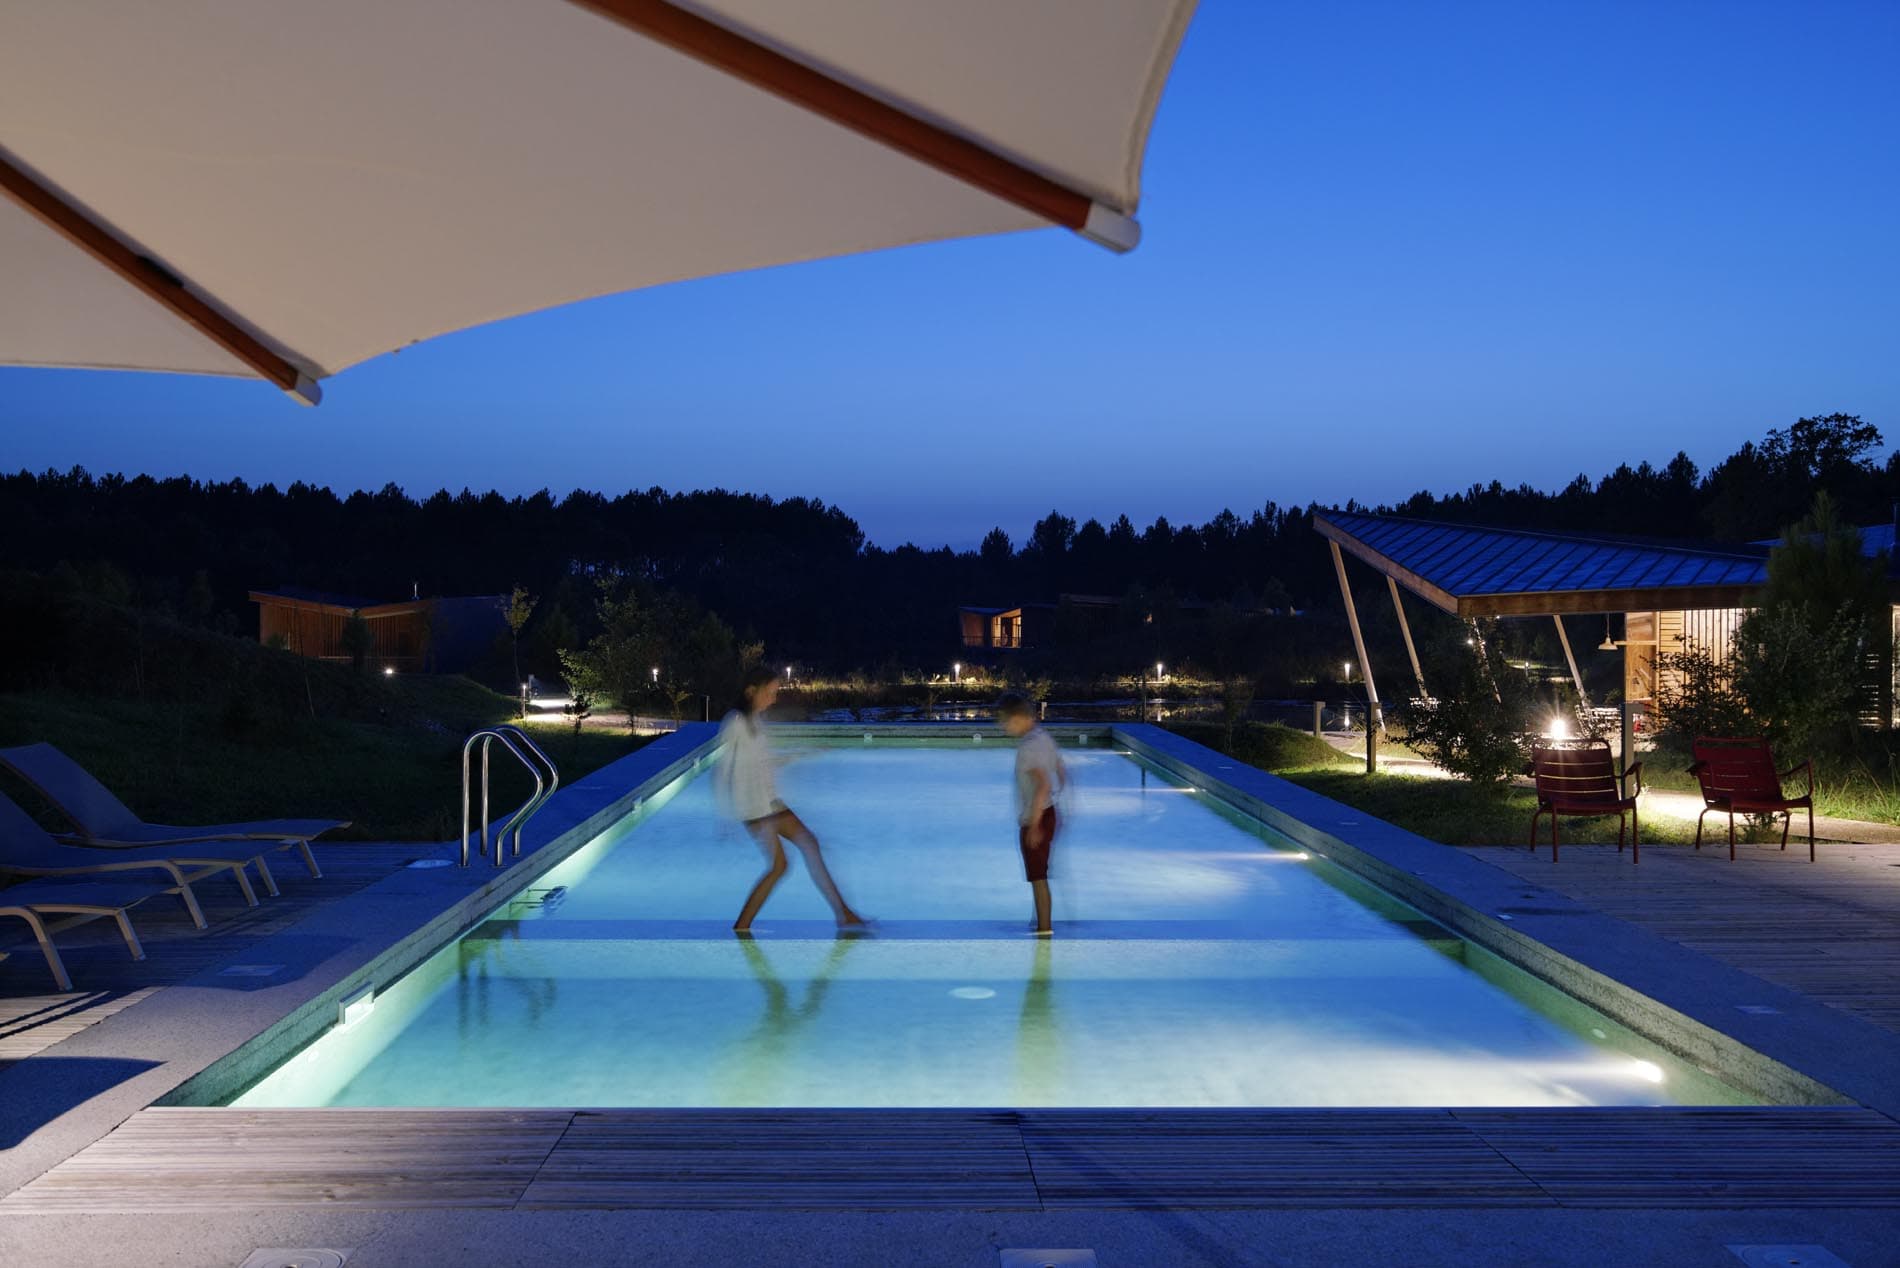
154 279
849 107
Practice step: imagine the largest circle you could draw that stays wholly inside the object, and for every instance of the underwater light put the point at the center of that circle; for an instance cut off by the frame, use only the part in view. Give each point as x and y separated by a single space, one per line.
354 1007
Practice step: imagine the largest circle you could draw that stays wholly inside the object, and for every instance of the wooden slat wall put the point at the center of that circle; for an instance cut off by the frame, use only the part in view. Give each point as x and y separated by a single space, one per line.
216 1159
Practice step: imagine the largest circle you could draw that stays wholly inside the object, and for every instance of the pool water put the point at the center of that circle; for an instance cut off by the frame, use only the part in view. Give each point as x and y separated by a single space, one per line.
1200 960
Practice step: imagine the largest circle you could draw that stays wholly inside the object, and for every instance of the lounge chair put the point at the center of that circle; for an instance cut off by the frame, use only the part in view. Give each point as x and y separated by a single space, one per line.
1738 776
27 849
104 820
33 901
1578 777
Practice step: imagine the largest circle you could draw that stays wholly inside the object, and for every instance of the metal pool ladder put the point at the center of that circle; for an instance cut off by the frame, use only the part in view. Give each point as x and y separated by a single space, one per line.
529 754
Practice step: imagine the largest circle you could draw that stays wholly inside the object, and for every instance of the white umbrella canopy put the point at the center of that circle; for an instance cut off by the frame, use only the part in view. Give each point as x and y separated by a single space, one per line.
282 190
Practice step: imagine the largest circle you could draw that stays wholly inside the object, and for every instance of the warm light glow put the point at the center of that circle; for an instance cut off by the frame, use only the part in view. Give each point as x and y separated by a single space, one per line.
1345 667
656 673
1158 669
389 671
1559 729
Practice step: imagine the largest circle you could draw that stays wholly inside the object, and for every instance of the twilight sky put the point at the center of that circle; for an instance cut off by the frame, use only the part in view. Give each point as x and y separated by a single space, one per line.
1389 246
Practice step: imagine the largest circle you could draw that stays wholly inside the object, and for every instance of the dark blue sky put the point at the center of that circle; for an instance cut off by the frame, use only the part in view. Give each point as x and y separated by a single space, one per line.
1388 246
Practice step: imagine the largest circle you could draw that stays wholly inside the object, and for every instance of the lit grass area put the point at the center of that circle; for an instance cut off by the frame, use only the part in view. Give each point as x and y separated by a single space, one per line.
397 778
1446 810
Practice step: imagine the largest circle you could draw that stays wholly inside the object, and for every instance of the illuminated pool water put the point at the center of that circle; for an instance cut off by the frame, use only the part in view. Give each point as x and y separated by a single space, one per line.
1200 959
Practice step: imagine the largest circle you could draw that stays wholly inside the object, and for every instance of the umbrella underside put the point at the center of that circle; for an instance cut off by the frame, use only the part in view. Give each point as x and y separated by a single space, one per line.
285 190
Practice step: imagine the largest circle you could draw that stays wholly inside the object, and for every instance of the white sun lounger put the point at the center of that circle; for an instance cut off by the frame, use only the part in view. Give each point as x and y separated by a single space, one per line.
33 901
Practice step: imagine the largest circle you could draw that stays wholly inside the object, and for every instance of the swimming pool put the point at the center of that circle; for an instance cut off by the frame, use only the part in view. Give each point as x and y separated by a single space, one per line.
1200 960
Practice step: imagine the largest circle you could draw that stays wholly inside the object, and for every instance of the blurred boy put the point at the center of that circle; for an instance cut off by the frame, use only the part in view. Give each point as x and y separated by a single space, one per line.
1039 777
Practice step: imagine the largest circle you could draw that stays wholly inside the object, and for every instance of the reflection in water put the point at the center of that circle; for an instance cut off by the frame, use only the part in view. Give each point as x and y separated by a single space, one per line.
1038 1041
765 1052
474 977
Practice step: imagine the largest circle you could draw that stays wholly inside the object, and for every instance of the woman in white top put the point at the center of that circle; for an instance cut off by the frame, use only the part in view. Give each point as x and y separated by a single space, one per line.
747 784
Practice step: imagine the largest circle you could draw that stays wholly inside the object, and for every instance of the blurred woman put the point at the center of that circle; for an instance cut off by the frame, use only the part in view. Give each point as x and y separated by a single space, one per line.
747 781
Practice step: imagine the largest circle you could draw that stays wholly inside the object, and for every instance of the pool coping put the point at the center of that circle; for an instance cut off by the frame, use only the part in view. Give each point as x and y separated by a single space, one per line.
1798 1051
209 1040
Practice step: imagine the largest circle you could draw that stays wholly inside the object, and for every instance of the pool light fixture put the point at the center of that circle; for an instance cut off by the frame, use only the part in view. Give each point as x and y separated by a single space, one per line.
357 1005
1647 1071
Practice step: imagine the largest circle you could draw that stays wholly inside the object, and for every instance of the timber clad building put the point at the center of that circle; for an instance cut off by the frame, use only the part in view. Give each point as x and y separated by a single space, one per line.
1668 594
440 635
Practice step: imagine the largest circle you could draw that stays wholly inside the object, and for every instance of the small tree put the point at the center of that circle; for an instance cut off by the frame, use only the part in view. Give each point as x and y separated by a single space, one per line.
1236 698
1800 656
1477 729
1696 696
520 608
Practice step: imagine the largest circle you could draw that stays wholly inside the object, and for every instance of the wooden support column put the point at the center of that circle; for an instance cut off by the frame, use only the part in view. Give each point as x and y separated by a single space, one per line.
1626 724
1583 700
1405 628
1376 715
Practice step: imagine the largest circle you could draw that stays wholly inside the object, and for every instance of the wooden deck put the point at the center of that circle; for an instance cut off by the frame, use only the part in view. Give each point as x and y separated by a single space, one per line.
220 1159
1828 929
34 1017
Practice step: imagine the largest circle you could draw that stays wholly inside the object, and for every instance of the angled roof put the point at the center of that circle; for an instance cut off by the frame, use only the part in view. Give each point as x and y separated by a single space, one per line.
1472 571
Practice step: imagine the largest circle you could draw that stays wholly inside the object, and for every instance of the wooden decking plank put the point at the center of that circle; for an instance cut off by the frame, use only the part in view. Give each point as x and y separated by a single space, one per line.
1720 1157
176 1159
1264 1158
789 1159
1829 929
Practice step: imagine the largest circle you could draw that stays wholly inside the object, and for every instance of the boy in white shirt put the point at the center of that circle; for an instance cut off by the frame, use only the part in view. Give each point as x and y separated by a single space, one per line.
1039 777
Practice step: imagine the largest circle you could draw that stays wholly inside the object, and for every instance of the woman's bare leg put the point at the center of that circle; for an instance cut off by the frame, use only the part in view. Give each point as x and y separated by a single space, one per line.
765 833
798 834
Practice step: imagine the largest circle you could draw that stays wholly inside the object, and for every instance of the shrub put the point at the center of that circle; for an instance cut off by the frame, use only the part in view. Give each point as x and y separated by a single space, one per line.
1696 696
1477 729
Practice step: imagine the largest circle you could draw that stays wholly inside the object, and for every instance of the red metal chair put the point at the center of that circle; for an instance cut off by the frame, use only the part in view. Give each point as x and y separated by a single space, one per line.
1738 776
1578 777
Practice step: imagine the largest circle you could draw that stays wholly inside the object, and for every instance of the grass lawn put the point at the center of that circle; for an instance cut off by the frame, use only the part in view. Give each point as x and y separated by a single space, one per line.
396 778
1446 810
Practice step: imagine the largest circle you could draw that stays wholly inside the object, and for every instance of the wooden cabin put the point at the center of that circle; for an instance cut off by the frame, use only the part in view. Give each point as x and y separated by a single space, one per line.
436 635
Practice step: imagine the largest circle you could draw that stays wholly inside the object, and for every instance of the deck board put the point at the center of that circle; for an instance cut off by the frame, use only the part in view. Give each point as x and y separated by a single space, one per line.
175 1159
814 1160
1829 929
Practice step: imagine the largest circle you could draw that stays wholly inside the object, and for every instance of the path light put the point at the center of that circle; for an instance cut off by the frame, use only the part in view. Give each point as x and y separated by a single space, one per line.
656 675
1559 729
1158 673
1345 667
956 671
389 671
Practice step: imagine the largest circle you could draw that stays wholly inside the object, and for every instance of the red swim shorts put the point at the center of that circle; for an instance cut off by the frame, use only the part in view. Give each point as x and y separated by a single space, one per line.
1035 839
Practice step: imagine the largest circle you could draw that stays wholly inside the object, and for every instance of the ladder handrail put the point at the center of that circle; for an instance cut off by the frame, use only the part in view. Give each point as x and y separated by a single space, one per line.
533 805
514 740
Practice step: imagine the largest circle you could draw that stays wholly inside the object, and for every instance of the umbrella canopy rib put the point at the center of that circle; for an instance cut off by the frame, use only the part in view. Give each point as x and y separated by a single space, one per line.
793 81
153 279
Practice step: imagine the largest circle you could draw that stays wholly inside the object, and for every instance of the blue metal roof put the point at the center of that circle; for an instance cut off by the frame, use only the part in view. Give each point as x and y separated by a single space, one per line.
1477 571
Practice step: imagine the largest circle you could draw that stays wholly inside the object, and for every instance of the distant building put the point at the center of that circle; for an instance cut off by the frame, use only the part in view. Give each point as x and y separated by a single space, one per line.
439 635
